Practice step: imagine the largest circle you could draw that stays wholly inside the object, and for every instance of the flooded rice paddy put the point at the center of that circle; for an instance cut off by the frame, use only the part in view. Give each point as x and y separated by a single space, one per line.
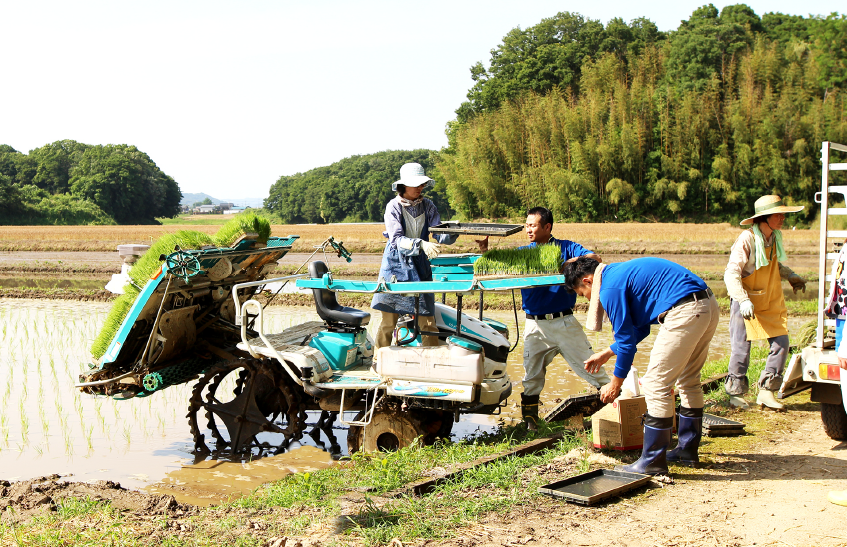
47 426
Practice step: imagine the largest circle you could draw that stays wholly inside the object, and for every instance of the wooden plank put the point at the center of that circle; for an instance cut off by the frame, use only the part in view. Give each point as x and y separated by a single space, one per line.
428 485
713 382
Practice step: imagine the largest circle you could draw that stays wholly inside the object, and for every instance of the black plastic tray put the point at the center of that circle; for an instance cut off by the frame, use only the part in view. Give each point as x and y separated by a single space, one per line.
477 229
594 486
715 426
585 404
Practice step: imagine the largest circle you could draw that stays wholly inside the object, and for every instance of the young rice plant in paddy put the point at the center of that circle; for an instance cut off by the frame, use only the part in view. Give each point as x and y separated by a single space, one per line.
48 426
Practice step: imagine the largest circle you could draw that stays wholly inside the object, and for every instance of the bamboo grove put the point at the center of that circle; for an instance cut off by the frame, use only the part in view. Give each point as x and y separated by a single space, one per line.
631 144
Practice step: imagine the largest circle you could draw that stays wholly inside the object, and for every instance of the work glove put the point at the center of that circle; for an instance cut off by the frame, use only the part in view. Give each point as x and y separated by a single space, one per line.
429 249
746 308
797 283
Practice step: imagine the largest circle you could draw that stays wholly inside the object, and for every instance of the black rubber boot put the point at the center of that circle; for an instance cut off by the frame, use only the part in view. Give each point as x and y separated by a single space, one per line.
689 430
529 410
657 437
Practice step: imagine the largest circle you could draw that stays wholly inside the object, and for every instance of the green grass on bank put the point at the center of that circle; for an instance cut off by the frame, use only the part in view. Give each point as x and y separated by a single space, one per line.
312 501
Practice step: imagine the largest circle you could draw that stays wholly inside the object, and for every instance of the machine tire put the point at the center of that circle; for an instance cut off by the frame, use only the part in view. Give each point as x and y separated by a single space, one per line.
389 430
834 421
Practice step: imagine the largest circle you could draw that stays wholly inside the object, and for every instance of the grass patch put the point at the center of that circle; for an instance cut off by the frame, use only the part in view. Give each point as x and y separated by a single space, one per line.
457 503
307 504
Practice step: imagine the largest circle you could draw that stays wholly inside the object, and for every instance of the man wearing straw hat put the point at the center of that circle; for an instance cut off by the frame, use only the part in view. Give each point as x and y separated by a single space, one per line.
757 310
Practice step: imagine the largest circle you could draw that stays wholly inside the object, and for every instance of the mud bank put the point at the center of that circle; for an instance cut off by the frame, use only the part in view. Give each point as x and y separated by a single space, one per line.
41 495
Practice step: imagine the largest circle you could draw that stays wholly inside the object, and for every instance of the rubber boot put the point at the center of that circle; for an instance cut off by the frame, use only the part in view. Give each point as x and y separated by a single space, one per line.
689 431
737 401
838 497
767 399
529 411
657 437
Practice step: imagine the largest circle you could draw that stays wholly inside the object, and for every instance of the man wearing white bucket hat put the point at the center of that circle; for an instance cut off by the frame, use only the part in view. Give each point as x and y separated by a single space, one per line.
408 251
757 310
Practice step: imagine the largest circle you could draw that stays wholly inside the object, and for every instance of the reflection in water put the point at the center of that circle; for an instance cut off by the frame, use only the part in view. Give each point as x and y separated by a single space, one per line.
213 481
47 426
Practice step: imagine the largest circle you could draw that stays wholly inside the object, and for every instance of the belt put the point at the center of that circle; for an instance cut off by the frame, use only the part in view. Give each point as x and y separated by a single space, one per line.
693 297
542 317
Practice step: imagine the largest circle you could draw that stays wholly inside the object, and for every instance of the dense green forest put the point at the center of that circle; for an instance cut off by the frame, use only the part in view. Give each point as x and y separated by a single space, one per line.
67 182
622 122
354 189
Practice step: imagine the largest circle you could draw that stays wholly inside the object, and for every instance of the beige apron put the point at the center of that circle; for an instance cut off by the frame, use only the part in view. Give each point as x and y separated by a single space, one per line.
764 288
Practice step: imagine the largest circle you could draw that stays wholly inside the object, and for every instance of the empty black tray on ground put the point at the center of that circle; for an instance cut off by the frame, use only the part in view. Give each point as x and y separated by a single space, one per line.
585 404
477 228
594 486
716 426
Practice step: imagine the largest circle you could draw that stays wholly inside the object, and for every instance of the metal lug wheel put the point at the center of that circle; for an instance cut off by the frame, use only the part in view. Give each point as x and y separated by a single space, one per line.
249 406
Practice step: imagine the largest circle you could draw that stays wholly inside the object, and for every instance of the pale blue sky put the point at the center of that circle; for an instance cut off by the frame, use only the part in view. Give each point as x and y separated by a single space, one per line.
227 96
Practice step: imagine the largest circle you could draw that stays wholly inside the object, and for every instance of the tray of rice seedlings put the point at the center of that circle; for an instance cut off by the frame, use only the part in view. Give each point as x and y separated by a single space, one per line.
476 229
161 319
530 261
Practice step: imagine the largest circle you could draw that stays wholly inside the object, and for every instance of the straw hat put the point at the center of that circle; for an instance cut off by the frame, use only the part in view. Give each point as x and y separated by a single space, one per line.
412 174
769 205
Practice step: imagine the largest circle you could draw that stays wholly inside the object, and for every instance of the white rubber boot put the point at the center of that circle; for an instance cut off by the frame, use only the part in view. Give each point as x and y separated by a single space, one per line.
766 399
737 401
838 498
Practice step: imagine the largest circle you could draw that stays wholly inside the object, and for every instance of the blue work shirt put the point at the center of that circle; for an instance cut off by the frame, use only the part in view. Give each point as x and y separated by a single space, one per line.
555 298
634 294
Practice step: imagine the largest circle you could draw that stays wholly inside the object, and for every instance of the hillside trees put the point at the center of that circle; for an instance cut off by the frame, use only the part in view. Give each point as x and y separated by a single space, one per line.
67 182
660 135
355 189
550 55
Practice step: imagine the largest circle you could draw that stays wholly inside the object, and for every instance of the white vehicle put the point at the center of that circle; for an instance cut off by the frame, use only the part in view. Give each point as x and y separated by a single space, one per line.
816 366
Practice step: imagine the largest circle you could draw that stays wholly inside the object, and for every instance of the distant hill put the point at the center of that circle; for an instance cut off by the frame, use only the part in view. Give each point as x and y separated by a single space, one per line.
192 198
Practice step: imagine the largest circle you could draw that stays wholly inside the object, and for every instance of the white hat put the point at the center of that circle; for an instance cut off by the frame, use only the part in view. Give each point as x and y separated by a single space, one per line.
412 174
769 205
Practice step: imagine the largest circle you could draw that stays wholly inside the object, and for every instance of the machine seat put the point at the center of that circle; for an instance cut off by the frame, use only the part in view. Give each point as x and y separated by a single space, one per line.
328 307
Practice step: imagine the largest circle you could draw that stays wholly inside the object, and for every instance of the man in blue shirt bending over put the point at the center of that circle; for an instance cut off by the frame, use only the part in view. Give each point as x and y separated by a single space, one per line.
636 294
551 328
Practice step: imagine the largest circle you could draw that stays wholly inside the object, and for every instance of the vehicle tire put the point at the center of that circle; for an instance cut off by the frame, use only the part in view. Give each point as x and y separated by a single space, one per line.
834 421
389 430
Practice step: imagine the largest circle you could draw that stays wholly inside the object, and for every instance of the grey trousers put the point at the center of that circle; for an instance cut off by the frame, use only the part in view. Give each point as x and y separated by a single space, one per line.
739 359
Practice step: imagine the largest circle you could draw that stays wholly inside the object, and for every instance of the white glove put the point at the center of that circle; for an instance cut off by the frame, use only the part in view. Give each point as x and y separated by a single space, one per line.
430 249
746 308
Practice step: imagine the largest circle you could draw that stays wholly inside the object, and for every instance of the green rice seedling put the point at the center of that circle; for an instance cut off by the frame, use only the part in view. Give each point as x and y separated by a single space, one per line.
243 223
542 259
144 268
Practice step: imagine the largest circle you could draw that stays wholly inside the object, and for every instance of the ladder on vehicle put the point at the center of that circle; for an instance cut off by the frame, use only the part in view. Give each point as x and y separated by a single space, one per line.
822 198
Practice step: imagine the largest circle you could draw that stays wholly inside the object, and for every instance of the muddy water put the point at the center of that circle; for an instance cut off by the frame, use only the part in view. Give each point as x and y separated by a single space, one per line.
47 426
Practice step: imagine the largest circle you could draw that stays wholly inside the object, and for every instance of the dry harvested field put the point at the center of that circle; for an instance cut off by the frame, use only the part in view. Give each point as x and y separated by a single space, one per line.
627 238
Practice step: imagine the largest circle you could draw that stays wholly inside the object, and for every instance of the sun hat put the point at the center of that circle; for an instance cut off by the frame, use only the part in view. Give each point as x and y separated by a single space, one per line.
769 205
412 174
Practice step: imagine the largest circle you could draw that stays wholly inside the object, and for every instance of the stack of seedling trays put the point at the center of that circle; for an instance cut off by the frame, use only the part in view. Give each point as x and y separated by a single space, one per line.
476 229
716 426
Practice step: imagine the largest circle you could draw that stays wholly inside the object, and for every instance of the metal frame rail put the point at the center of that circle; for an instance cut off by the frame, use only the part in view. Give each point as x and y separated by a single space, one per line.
822 197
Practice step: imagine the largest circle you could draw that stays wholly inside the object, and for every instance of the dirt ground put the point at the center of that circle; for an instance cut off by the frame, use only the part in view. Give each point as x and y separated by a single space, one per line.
768 487
772 492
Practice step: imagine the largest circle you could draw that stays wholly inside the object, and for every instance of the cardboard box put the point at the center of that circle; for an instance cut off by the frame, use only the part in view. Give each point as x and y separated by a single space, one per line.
618 425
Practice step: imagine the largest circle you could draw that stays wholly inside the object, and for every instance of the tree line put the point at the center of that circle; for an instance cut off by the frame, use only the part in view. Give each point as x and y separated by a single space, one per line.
695 124
621 122
355 189
68 182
